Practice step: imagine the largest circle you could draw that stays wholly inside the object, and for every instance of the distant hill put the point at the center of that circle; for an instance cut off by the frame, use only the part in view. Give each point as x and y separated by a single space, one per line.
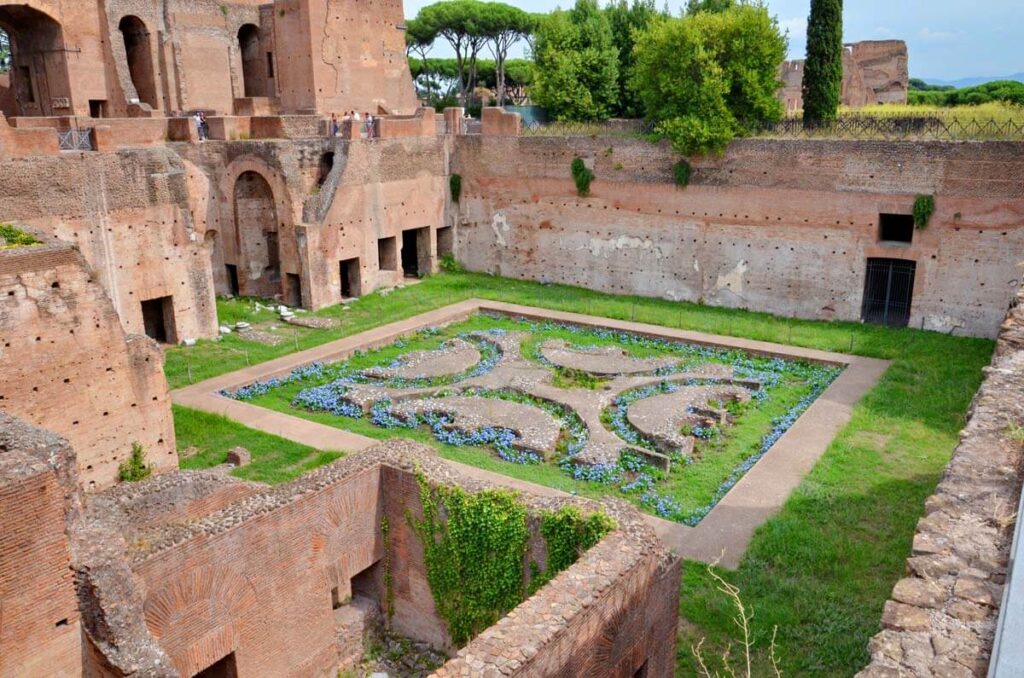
971 82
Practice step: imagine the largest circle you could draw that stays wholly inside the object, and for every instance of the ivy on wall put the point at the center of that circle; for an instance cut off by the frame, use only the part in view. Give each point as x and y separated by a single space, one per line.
924 207
475 547
681 173
582 175
455 186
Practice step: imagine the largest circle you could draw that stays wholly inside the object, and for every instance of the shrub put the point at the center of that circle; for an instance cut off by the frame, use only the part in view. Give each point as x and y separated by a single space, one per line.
455 186
582 175
449 264
924 207
135 468
681 171
11 237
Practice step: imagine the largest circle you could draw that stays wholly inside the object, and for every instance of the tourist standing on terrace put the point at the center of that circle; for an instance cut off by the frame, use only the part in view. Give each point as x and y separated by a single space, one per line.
334 124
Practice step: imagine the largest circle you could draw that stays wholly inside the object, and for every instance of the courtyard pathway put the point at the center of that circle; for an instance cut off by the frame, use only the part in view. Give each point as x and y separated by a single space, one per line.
723 535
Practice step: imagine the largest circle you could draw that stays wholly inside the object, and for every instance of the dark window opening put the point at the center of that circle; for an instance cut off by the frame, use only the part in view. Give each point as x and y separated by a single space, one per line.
888 292
223 668
292 289
232 279
62 622
253 81
349 271
270 64
326 164
387 254
368 583
642 671
445 241
97 108
158 319
895 227
336 600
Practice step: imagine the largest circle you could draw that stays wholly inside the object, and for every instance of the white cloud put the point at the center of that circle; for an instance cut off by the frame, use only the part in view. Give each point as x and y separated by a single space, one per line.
884 32
939 36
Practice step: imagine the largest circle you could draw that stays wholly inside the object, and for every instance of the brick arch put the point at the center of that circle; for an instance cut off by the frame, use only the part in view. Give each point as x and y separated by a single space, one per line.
343 523
274 177
193 617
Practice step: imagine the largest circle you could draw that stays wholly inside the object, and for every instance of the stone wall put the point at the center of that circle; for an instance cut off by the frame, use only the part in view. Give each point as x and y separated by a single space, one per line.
142 58
779 226
203 587
40 628
131 216
942 615
874 72
69 366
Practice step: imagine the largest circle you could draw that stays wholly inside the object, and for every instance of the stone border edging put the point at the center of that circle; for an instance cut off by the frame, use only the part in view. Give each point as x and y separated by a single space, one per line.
722 536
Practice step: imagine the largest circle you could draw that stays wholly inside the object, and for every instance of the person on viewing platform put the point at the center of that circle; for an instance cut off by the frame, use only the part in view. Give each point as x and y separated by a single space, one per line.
334 124
200 120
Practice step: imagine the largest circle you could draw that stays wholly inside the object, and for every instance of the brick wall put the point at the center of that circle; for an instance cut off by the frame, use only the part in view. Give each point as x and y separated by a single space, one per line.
40 631
69 366
778 226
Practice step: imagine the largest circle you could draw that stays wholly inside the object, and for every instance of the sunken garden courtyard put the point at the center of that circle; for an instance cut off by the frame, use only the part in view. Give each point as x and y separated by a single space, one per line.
654 352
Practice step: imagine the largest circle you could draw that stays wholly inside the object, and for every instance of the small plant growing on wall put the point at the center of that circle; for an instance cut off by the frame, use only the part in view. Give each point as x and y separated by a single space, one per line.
924 207
582 175
135 468
455 186
681 173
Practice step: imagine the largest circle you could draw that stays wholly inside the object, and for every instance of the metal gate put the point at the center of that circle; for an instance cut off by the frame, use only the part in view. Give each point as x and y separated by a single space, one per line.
888 292
76 139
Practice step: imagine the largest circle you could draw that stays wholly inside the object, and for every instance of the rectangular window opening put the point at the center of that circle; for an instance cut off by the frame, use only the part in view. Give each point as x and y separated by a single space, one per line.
895 227
387 254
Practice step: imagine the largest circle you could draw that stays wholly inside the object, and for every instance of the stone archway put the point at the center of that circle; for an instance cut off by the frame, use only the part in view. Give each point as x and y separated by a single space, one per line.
254 77
39 81
139 53
257 248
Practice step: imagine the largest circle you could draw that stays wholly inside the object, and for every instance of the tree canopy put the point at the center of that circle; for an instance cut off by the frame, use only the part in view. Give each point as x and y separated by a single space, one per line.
576 74
626 20
823 68
707 77
1009 91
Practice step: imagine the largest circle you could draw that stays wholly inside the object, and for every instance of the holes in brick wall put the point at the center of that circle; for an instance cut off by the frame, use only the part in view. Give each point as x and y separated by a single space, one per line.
62 622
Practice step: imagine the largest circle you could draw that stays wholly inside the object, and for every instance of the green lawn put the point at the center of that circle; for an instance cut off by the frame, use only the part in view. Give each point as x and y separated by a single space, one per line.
823 567
210 436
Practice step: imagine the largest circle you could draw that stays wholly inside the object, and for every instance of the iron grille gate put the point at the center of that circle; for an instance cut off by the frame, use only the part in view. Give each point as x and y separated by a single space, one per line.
76 139
888 291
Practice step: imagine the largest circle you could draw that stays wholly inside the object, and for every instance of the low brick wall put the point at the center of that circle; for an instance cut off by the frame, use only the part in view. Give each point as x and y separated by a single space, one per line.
942 615
257 578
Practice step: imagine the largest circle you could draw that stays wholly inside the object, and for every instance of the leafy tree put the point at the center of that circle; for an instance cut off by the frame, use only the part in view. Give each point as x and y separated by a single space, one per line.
823 69
576 64
5 51
419 41
1009 91
707 77
461 24
626 20
503 26
694 6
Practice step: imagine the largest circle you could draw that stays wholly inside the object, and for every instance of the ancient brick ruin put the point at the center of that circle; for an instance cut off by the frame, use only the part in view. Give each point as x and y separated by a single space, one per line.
874 72
143 226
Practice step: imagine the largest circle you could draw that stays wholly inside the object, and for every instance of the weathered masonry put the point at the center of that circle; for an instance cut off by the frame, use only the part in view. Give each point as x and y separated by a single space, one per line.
814 229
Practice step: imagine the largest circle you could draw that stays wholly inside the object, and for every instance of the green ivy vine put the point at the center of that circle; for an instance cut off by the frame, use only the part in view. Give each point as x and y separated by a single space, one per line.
582 175
924 207
568 535
681 173
389 577
455 186
475 547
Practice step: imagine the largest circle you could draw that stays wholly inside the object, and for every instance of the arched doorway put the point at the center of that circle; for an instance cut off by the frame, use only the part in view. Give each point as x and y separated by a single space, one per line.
253 76
140 58
257 266
37 76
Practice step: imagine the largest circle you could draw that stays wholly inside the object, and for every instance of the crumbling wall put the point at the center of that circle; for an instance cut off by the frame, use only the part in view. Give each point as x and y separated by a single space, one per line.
779 226
129 214
40 628
942 615
874 72
69 366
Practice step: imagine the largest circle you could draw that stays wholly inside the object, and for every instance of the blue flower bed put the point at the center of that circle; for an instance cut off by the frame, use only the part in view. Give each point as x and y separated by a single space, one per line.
631 474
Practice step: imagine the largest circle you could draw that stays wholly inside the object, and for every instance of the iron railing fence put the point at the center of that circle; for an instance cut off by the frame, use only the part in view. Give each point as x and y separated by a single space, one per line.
607 128
76 139
896 127
849 126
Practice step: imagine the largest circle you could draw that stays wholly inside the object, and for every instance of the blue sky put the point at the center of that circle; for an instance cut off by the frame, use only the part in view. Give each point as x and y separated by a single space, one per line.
947 39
